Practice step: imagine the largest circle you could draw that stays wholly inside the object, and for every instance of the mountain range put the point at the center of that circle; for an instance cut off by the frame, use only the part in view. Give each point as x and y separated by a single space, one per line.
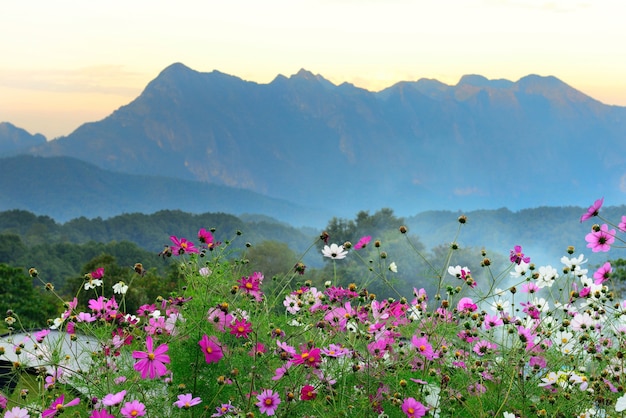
320 147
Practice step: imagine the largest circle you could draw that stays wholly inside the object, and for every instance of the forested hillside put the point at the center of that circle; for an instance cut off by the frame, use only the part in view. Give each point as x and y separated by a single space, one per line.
64 253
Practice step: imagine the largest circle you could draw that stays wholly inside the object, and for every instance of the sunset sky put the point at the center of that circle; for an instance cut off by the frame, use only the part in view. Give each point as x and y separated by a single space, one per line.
64 63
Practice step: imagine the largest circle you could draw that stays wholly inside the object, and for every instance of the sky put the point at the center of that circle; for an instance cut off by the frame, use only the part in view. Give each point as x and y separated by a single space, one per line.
64 63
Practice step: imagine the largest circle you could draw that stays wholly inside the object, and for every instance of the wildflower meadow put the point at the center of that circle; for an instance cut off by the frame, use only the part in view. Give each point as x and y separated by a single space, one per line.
526 341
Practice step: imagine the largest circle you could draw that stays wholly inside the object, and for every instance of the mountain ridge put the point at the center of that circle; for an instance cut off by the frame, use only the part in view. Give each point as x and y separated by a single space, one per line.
413 146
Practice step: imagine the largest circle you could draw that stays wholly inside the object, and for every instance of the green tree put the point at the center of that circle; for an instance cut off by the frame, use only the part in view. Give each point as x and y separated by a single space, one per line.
30 303
272 258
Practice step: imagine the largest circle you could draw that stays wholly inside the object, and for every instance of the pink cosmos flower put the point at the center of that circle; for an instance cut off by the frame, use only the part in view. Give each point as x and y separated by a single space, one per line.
378 348
186 401
268 402
622 225
483 347
182 246
603 273
223 409
103 413
537 361
258 350
363 242
593 210
17 412
57 406
601 240
113 398
133 409
517 256
151 363
211 349
97 273
309 358
423 347
335 350
240 328
413 409
530 287
219 319
40 335
252 285
466 304
492 321
206 237
307 393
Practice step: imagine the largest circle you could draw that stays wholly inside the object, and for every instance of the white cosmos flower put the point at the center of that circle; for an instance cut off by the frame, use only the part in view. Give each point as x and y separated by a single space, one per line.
120 287
334 251
393 267
520 269
92 284
620 405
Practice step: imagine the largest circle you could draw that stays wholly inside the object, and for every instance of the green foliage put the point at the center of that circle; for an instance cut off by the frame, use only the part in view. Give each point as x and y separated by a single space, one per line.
31 305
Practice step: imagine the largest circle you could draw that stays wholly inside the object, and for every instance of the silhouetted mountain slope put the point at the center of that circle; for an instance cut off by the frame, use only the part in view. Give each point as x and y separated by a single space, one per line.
14 140
66 188
414 146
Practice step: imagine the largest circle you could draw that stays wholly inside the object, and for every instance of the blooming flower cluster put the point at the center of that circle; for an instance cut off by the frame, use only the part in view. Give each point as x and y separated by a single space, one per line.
528 341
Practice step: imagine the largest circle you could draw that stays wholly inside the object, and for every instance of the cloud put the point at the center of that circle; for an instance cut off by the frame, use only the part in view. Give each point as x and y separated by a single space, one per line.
104 79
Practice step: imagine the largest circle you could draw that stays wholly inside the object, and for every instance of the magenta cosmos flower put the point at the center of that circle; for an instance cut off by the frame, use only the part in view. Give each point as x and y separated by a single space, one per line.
268 402
309 358
593 210
206 237
423 347
307 393
600 240
103 413
151 363
133 409
240 328
363 242
182 246
58 406
413 408
603 273
211 349
186 401
517 256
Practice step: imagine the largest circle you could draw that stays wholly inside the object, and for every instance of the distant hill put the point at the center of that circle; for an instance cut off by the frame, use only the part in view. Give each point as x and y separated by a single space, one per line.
416 146
14 140
66 188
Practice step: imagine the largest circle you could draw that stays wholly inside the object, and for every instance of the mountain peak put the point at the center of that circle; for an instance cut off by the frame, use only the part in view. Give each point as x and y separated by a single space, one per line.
551 87
476 80
15 140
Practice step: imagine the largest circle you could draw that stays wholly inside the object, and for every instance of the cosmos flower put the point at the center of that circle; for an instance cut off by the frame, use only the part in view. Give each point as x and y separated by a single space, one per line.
363 242
133 409
600 240
593 210
211 349
268 402
334 251
58 406
182 246
186 401
413 409
151 363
